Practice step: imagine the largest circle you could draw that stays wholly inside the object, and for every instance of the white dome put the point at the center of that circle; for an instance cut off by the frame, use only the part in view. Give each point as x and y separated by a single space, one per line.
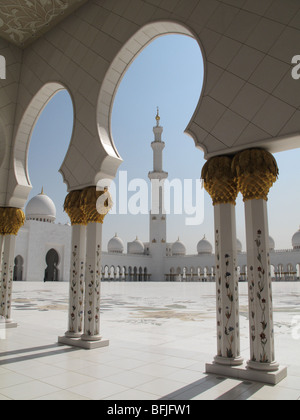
239 246
136 247
204 247
296 240
271 243
178 248
116 245
41 208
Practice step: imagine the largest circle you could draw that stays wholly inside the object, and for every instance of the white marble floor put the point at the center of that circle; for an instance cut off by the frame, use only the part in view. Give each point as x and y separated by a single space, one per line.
161 335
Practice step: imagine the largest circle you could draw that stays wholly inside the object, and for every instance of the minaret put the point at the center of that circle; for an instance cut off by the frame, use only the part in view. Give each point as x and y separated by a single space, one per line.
158 224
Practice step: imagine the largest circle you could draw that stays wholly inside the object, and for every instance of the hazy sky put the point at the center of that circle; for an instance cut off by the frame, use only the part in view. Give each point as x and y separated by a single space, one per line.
168 74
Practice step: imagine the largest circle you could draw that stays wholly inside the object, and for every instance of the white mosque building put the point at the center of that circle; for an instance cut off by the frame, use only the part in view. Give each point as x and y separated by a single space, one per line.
43 248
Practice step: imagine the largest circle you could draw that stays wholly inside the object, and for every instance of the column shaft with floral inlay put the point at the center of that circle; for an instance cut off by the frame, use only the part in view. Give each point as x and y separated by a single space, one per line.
94 219
11 220
256 171
77 269
220 184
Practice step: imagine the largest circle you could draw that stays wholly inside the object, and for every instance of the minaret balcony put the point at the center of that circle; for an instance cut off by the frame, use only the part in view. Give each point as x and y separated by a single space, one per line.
158 175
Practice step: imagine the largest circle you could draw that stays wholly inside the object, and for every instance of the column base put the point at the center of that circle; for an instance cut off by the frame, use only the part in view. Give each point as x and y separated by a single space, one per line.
8 323
69 334
249 374
83 344
263 367
225 361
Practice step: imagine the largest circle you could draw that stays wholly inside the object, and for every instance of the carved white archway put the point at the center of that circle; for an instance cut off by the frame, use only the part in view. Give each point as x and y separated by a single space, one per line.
113 79
19 185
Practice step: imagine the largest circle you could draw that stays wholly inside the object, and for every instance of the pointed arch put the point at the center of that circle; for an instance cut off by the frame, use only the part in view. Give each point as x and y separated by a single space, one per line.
19 185
129 52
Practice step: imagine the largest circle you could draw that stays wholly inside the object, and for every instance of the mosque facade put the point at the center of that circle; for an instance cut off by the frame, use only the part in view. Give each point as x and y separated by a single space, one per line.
43 248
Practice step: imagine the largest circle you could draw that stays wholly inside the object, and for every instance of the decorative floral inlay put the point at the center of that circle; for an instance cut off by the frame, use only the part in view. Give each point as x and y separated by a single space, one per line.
77 292
259 314
22 20
6 290
93 296
219 295
227 305
229 328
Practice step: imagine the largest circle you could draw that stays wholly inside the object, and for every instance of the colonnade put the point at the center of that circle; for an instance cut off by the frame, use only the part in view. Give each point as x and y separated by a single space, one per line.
251 172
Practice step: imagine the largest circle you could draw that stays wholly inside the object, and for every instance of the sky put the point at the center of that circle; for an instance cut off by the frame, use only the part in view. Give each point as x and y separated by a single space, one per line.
167 74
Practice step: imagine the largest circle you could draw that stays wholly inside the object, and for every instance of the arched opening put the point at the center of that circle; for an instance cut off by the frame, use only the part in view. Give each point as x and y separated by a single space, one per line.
155 73
130 274
298 272
106 273
179 274
20 185
18 268
135 274
273 277
130 51
112 273
51 271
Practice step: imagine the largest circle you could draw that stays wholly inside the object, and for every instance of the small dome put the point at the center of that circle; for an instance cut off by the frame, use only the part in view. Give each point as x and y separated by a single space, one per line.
178 248
239 246
136 247
204 247
271 243
115 245
296 240
41 208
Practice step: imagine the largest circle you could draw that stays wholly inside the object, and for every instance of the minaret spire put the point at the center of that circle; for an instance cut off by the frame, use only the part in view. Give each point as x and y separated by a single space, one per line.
158 222
157 118
157 178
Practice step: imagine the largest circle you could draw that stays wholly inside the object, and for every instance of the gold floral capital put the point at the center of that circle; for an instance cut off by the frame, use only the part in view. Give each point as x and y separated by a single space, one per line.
88 205
255 171
73 209
219 181
11 220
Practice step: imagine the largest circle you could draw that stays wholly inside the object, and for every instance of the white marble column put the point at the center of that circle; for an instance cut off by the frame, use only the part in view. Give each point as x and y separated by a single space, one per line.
11 220
228 322
7 277
256 171
92 283
219 182
77 280
262 348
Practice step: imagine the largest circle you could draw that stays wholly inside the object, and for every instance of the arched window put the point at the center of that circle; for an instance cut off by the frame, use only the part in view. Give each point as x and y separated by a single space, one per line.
18 268
52 261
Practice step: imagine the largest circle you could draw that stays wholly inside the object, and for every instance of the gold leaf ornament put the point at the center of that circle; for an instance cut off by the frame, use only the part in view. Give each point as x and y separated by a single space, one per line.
88 204
255 171
11 220
219 180
72 208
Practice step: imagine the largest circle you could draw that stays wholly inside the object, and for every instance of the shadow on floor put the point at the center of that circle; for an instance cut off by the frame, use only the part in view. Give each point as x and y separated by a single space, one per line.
24 357
243 390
